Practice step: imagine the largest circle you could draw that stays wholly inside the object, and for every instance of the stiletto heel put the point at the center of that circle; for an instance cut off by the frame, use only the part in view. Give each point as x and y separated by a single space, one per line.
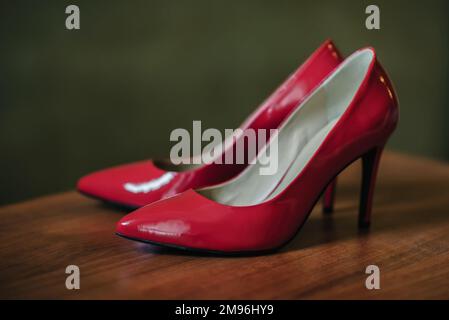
329 197
370 164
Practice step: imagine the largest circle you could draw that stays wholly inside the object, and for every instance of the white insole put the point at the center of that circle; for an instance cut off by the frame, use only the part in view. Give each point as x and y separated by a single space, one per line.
299 137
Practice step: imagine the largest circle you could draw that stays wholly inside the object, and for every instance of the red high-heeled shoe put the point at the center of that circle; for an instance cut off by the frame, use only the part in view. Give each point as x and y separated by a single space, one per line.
137 184
349 116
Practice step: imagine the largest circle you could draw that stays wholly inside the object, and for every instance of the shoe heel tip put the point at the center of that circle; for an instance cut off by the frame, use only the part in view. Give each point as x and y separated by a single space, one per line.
328 210
364 225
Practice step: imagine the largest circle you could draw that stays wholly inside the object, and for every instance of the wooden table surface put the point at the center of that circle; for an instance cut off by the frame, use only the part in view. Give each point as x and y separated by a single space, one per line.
408 240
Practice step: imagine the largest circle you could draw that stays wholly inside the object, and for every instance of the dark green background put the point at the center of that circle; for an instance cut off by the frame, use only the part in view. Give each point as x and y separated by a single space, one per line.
76 101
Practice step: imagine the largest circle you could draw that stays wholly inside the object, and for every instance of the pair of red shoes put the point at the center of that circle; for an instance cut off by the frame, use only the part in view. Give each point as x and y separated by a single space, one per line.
329 112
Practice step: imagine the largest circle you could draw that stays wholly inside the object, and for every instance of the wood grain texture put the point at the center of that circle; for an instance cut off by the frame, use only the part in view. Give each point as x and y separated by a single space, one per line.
408 240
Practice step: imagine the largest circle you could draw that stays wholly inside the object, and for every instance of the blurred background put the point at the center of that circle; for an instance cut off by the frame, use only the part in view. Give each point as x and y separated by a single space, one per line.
76 101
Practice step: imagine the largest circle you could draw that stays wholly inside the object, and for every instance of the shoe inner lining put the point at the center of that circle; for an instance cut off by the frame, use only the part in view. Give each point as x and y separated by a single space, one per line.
299 137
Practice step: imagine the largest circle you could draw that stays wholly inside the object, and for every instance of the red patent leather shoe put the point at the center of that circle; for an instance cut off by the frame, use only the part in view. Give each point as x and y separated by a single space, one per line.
349 116
137 184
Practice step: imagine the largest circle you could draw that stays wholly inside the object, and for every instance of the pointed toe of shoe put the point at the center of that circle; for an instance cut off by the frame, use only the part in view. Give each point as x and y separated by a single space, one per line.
191 221
151 224
91 184
128 227
132 185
